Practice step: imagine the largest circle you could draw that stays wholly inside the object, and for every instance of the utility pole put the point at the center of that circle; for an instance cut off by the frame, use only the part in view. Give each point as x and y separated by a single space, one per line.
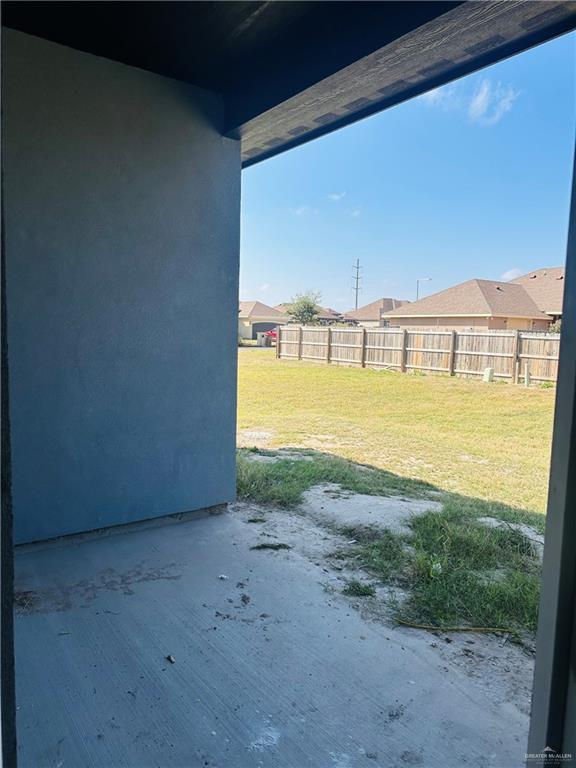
356 278
418 281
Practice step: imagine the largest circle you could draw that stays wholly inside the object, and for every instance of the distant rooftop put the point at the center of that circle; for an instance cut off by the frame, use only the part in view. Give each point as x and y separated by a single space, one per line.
374 310
481 298
546 288
258 309
325 313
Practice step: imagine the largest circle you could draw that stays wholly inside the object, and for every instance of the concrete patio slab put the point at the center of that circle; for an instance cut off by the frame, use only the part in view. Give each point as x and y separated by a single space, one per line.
269 668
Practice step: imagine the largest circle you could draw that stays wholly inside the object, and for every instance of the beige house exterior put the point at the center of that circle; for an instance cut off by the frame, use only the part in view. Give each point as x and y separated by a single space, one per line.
481 305
370 315
255 317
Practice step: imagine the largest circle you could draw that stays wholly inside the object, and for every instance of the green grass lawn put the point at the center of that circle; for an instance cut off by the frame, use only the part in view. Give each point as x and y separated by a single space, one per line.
485 446
485 441
456 570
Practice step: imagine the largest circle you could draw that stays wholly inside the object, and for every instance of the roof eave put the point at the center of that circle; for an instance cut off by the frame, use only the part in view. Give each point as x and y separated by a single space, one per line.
470 314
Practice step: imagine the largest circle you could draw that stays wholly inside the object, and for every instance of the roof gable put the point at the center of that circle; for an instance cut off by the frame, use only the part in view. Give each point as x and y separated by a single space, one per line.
545 287
327 313
374 310
258 309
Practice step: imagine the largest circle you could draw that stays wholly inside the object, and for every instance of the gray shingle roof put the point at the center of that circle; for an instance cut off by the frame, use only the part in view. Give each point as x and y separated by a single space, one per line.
258 309
484 298
374 310
546 287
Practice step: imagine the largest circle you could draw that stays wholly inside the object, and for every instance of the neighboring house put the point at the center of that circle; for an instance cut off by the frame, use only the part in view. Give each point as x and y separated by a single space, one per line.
255 317
546 288
370 315
482 305
326 315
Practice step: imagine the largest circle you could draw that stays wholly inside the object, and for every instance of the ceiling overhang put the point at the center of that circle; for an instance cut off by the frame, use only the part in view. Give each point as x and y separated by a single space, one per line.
292 71
470 36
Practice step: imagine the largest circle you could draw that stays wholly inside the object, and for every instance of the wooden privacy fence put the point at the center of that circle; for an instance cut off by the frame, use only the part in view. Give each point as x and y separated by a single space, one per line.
512 355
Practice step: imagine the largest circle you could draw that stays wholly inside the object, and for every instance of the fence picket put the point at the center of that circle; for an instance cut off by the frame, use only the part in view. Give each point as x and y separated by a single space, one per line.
454 352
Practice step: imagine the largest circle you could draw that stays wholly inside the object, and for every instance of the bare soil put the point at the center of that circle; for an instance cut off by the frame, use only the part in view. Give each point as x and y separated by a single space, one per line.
494 663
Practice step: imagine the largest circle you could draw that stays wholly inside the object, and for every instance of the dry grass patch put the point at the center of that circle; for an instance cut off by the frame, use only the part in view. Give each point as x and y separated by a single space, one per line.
487 441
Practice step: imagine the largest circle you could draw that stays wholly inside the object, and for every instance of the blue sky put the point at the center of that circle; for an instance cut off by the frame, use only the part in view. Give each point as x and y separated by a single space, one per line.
471 180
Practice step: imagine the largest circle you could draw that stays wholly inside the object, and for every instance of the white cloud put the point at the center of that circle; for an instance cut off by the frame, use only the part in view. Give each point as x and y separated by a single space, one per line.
356 212
480 101
336 196
490 102
511 274
487 104
303 210
444 97
265 287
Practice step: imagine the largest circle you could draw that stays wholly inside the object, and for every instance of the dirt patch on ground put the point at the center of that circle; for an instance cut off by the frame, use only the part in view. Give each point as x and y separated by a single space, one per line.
254 437
328 504
311 531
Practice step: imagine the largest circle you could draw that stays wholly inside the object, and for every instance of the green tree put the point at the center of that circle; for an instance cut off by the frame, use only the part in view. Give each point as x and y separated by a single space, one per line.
556 326
304 308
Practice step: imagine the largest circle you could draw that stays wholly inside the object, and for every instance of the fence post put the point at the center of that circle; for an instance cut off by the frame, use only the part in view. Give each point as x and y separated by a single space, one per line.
328 344
299 342
403 352
363 351
278 336
515 372
452 353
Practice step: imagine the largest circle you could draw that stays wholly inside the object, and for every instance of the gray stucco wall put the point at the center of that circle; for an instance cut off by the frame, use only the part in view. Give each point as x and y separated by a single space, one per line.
122 206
